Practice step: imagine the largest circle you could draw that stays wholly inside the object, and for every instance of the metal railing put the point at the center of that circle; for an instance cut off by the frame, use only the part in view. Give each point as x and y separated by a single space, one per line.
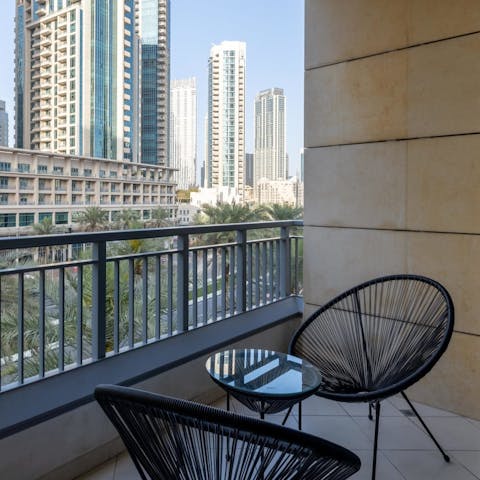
66 301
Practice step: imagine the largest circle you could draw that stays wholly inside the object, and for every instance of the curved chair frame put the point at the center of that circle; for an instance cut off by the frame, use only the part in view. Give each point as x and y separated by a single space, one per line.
432 298
173 439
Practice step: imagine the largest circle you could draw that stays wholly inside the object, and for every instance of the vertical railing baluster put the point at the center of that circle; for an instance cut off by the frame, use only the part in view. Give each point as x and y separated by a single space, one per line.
264 272
158 296
284 262
131 303
21 327
257 274
250 276
61 319
214 283
205 284
277 269
271 245
79 339
233 279
296 266
41 325
223 300
182 283
241 273
194 289
145 300
1 344
116 306
170 295
99 280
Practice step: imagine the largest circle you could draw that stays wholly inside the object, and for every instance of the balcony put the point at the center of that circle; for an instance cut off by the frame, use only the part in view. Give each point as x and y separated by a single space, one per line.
105 310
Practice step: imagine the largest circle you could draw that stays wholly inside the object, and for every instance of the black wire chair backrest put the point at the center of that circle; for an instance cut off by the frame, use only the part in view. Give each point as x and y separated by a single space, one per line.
378 338
172 439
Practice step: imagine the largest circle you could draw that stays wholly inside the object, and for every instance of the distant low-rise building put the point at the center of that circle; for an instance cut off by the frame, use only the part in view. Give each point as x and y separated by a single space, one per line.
279 191
212 196
36 185
186 212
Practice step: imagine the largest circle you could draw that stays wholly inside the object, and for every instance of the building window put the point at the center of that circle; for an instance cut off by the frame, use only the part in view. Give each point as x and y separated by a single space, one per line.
23 200
61 218
23 183
5 166
58 170
23 167
74 172
58 199
3 198
43 215
26 219
42 169
8 220
102 173
3 182
87 172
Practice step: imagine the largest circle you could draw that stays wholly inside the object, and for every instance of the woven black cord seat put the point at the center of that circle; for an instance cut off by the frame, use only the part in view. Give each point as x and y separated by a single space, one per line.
377 339
172 439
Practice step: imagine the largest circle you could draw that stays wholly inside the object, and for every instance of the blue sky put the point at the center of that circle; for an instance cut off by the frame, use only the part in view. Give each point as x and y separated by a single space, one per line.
272 30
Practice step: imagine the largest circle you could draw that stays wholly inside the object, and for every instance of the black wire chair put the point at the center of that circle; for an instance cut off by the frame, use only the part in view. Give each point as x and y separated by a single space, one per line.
172 439
377 339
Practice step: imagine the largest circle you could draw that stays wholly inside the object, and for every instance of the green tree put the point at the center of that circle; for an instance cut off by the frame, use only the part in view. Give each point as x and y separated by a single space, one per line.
159 217
284 211
93 219
127 220
45 227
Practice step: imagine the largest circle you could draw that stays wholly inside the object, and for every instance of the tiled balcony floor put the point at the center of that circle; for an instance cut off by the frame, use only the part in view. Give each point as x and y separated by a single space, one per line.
406 452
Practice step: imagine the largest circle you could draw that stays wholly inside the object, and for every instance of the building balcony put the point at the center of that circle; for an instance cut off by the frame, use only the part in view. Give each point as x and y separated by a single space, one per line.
213 292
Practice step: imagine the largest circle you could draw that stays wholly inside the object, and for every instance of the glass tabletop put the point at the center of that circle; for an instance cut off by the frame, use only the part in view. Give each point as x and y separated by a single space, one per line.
263 373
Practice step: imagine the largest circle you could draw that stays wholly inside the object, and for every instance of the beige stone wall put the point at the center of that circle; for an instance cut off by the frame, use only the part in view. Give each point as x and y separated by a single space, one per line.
392 162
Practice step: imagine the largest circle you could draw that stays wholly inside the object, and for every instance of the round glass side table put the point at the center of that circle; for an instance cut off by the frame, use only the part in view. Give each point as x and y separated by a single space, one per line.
263 380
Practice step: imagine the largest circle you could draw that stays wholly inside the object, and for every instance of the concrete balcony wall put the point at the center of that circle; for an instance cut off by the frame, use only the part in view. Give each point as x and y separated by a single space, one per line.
392 135
75 442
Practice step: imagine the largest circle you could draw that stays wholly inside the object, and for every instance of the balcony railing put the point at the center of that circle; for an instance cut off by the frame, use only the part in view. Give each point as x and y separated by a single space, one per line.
68 301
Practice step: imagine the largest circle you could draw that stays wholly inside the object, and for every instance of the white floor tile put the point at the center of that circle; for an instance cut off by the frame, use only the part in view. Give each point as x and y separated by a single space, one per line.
427 465
125 469
338 429
385 469
453 433
395 433
470 460
102 472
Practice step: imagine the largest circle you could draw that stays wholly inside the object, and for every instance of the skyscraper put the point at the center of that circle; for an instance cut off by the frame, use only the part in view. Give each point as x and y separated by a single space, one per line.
3 125
249 163
75 76
81 69
270 139
224 165
153 28
183 131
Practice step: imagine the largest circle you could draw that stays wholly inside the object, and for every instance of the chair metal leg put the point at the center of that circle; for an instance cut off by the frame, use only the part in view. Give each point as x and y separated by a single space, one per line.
299 415
287 415
375 442
370 416
414 410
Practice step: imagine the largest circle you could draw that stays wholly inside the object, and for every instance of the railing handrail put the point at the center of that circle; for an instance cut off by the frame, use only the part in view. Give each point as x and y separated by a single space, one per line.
8 243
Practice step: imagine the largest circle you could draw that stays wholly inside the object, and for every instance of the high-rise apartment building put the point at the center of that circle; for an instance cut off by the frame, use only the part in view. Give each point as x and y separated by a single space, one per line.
224 165
75 77
183 131
153 29
92 78
270 139
3 125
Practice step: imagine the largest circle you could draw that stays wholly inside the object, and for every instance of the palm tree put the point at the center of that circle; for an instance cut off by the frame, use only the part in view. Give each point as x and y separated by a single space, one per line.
45 227
284 211
128 219
159 217
93 219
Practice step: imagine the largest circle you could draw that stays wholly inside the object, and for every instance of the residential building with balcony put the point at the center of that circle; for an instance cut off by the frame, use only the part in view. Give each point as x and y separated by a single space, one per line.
289 191
153 29
183 131
38 185
225 134
270 135
76 78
